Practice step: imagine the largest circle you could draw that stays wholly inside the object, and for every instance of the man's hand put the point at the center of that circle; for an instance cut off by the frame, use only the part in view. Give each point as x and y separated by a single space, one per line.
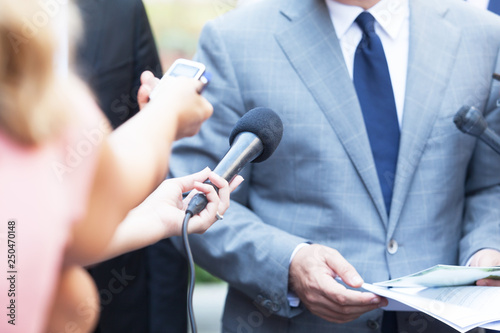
312 277
486 258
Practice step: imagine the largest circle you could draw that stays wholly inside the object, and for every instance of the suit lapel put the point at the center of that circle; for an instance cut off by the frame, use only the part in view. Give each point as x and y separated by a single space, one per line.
92 13
431 60
312 47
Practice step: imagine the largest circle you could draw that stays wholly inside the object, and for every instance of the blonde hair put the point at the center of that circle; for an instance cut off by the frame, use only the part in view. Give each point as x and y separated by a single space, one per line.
33 100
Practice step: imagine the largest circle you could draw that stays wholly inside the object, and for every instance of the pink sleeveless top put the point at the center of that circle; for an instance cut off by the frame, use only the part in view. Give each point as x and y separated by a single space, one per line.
43 191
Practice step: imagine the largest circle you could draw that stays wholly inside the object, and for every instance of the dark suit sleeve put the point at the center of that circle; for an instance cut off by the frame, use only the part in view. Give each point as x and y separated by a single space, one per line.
145 52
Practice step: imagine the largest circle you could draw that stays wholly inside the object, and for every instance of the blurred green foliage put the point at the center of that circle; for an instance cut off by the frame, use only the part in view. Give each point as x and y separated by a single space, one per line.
202 276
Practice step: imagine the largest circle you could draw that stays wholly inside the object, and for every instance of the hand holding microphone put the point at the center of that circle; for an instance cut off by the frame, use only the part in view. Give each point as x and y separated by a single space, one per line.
254 139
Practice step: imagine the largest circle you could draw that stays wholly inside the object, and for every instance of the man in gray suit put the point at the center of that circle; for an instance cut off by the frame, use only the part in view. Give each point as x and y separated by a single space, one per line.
323 206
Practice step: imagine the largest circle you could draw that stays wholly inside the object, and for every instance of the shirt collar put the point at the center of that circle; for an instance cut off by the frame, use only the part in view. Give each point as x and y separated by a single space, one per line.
390 14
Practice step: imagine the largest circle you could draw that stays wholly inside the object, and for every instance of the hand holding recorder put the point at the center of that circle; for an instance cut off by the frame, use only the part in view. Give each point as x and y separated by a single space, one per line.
183 81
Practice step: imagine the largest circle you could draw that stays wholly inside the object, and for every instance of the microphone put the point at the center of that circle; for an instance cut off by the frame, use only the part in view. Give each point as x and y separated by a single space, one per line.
471 121
253 139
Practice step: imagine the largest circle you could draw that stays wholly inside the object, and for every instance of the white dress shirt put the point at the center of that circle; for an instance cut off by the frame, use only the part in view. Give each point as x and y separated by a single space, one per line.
393 28
479 3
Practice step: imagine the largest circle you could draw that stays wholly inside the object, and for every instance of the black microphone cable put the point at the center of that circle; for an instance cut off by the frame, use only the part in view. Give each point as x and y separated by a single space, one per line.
196 205
191 271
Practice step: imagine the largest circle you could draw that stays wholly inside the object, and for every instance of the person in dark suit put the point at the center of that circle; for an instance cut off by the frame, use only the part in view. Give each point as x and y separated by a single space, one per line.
117 46
144 290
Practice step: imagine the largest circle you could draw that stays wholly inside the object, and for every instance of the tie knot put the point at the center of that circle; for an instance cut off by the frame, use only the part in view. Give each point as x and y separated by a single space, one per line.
366 22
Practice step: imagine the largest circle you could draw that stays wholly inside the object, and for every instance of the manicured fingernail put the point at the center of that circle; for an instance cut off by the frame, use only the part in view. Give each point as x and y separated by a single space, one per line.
375 300
356 280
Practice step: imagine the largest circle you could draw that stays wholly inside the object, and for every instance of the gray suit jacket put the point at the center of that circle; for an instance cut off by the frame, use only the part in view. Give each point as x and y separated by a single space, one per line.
321 183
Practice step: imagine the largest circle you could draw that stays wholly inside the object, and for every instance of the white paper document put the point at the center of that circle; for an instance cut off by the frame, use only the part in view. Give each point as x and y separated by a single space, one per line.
493 326
446 293
444 276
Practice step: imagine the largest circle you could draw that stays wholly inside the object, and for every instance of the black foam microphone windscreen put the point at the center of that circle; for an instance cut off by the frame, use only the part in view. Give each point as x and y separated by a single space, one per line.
253 139
264 123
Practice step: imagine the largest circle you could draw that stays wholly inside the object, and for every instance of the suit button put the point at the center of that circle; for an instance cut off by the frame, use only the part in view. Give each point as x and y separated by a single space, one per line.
276 307
372 324
392 247
267 304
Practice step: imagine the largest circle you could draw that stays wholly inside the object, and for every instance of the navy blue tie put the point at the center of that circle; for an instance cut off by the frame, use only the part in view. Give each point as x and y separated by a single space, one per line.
376 97
494 6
